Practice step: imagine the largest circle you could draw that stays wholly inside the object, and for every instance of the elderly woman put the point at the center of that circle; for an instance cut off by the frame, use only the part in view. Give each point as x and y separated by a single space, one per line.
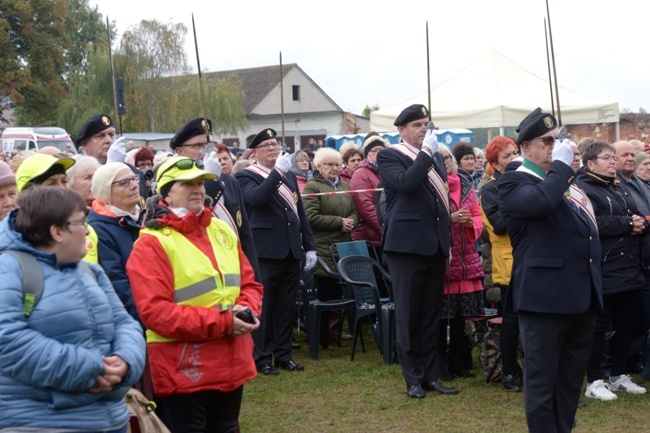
643 168
68 366
332 218
620 228
194 289
352 157
80 177
367 176
499 152
115 217
8 190
464 282
301 166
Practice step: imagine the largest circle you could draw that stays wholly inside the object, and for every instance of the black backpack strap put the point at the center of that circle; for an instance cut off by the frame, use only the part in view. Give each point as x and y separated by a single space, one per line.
32 279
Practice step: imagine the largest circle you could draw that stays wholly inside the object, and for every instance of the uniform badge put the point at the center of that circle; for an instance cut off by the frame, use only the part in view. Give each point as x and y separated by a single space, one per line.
548 122
295 197
225 240
425 112
239 219
106 120
269 133
204 125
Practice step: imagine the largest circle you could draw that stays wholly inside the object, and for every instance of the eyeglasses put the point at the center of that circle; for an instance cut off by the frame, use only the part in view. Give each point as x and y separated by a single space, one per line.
196 145
184 164
608 158
145 165
548 141
268 146
124 183
79 222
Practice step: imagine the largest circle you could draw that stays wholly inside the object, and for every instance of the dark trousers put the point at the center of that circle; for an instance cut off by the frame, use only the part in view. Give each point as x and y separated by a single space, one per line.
204 411
638 343
557 349
418 284
619 311
281 280
509 336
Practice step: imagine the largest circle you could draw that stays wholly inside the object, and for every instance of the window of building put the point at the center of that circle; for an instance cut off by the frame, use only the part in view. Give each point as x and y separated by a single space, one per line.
296 92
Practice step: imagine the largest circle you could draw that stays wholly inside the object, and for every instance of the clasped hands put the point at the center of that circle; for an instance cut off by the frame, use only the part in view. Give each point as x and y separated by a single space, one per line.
115 369
638 225
463 217
347 225
239 327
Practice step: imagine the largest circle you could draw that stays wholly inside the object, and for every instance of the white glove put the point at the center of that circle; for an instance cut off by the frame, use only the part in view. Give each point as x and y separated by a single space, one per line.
431 141
283 165
562 151
310 260
117 151
211 163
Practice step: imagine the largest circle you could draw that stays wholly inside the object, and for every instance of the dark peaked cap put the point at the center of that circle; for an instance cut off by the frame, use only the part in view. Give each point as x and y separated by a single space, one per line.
535 125
190 130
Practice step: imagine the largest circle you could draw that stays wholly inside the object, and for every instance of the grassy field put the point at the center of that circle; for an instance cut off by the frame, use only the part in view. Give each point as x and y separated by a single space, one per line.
334 394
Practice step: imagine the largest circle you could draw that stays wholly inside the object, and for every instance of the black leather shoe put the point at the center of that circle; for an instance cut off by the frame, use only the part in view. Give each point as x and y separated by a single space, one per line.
267 369
415 391
290 365
510 383
437 386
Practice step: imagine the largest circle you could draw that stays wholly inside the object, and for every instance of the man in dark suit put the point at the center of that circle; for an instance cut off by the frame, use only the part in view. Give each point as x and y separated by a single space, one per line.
281 232
191 141
416 244
556 274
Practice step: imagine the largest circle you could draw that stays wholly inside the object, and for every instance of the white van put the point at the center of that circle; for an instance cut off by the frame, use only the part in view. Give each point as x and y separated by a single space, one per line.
37 138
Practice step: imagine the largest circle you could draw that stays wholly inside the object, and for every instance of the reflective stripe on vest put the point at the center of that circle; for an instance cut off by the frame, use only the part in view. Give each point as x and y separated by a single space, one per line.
196 282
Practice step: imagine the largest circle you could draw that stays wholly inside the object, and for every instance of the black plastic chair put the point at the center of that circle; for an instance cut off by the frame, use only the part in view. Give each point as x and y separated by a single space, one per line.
358 272
313 308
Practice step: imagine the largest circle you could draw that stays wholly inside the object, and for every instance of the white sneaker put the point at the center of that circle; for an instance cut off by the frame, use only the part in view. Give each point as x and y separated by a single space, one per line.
599 390
624 383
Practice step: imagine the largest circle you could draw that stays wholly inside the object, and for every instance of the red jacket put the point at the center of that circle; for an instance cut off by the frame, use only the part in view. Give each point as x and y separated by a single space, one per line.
366 177
205 358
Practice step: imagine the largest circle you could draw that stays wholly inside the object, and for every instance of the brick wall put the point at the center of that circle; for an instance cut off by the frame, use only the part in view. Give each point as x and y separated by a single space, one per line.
633 126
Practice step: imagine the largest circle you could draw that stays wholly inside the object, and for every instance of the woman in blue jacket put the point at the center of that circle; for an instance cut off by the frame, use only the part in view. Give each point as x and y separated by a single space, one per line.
69 364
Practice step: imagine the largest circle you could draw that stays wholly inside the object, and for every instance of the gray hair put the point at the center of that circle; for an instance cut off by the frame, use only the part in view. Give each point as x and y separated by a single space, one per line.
326 153
444 151
82 165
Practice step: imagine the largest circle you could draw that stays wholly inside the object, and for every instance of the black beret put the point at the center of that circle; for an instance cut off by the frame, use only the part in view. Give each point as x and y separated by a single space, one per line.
190 130
95 124
411 113
535 125
267 134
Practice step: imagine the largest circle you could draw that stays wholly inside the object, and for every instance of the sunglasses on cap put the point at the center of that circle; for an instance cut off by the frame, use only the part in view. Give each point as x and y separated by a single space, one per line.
184 164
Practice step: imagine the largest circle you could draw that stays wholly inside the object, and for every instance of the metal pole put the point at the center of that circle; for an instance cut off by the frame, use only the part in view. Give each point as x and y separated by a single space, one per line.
548 64
557 93
198 63
284 144
110 59
428 72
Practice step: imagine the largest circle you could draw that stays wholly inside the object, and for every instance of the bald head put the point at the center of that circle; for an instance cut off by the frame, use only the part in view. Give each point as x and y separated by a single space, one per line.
626 158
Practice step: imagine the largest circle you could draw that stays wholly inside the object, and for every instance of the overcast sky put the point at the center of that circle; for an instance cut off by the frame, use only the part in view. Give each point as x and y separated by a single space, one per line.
363 52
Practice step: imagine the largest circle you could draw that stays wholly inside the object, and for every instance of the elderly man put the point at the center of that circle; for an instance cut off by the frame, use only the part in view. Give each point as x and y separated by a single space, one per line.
96 136
191 141
414 178
556 277
281 232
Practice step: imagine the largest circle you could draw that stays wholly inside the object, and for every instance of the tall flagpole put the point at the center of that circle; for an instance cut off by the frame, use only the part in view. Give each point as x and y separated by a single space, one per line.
110 59
557 93
205 123
428 73
284 144
548 64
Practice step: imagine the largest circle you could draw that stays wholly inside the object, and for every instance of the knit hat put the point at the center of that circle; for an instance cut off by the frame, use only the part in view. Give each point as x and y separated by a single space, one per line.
103 180
7 177
461 149
640 157
373 141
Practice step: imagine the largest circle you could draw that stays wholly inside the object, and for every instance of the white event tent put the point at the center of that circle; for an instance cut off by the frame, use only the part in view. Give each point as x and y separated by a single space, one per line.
495 92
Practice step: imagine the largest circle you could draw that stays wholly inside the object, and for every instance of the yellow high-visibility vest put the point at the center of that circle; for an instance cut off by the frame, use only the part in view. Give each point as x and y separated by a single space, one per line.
91 256
196 281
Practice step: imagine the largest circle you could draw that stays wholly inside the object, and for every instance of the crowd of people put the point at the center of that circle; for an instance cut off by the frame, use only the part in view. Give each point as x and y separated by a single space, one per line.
199 255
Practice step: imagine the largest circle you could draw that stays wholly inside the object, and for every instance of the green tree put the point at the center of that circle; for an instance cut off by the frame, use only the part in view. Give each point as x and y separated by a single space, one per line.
366 111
